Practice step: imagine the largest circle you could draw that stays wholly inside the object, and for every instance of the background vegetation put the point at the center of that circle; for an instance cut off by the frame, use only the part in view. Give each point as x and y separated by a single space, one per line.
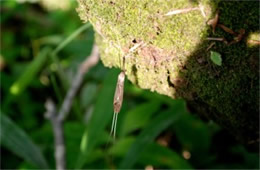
153 130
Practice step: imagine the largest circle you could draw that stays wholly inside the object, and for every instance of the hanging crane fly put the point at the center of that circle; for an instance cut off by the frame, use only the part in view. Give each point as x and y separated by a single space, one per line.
119 92
118 100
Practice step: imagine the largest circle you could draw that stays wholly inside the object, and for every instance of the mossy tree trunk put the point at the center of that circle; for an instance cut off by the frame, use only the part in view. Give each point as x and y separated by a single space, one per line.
173 57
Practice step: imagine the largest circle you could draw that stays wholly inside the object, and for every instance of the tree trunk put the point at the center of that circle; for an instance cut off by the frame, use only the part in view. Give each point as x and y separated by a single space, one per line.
167 50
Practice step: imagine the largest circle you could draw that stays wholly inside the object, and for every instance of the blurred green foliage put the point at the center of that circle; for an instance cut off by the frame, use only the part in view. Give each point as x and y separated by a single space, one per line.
40 53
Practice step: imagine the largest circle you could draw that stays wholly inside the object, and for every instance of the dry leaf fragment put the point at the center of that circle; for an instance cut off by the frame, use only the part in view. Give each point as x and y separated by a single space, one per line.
239 37
201 60
210 46
226 29
253 42
214 21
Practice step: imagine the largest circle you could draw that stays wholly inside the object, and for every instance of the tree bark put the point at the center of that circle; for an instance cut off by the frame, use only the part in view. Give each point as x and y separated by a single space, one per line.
175 56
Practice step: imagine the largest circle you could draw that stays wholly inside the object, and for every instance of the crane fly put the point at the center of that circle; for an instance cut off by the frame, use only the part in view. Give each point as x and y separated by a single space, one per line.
118 100
119 92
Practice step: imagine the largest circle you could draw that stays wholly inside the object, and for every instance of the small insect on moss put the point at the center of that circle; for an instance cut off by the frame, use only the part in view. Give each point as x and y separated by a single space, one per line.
118 100
119 92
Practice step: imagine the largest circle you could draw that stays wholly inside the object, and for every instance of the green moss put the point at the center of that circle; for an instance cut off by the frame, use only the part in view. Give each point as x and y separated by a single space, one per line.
231 91
175 60
173 38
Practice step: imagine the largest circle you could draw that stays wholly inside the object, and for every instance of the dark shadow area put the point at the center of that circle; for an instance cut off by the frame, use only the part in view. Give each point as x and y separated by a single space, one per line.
227 94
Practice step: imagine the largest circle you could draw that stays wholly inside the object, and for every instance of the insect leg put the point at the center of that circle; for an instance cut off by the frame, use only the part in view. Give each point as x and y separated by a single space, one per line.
114 135
113 122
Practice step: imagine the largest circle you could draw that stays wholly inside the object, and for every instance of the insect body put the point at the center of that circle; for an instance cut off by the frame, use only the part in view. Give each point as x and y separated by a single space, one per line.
118 97
118 100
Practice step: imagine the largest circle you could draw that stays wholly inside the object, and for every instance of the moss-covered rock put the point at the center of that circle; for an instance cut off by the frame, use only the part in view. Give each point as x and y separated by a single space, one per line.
173 58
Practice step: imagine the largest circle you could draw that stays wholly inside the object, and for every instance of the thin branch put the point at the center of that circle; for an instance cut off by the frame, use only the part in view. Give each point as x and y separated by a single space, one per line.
210 46
253 42
186 10
58 119
215 38
134 48
85 66
181 11
57 126
202 10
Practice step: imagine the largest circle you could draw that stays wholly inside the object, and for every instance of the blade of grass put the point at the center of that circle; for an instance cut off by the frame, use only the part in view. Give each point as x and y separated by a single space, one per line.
100 117
153 129
103 109
60 71
63 44
71 37
17 141
28 75
55 87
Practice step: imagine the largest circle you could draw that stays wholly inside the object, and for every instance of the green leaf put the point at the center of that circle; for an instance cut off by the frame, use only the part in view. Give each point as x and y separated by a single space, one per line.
148 95
121 146
101 115
16 140
216 58
30 72
193 134
162 156
139 116
152 130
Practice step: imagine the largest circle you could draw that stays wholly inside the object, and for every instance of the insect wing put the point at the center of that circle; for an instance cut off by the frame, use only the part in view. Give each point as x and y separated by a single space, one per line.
118 97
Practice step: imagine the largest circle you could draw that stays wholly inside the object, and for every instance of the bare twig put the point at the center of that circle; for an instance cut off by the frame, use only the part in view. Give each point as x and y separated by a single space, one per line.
210 46
253 42
134 48
181 11
186 10
202 10
58 119
239 37
214 21
58 134
85 66
215 38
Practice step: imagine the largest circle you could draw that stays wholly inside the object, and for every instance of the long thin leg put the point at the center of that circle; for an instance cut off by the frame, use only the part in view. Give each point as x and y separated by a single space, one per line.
114 136
113 122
